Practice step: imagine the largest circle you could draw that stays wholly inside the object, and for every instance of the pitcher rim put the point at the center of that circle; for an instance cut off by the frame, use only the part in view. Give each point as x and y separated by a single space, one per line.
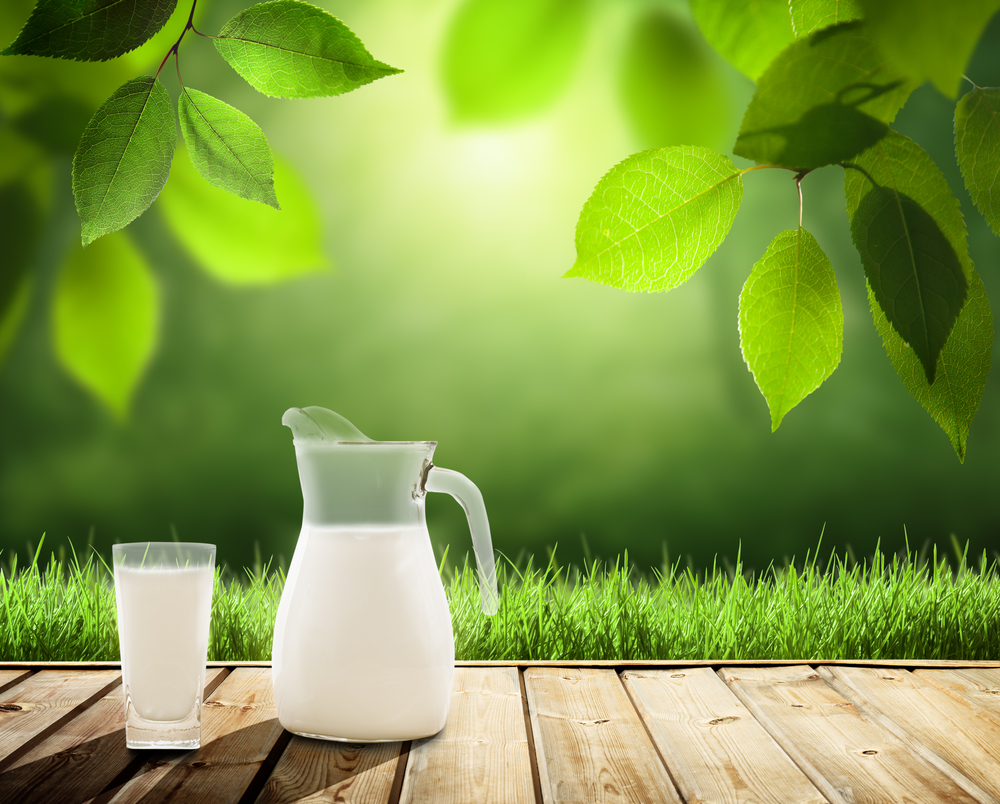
326 443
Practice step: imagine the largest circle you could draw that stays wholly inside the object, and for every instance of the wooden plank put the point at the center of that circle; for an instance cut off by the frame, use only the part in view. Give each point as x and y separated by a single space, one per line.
850 759
240 736
482 752
10 678
947 733
666 664
82 758
316 771
977 686
620 664
43 702
591 744
714 749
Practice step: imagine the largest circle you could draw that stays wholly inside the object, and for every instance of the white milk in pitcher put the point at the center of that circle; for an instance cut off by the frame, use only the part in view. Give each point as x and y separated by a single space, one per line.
367 606
164 625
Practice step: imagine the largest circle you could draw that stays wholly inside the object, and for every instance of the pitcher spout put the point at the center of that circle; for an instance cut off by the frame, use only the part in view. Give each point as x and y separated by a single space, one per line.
321 425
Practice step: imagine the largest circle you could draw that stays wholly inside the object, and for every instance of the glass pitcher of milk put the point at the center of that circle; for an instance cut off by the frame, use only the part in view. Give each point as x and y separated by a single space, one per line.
363 646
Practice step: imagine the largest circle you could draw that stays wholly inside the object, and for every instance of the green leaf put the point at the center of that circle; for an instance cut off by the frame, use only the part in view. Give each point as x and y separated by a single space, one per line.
791 321
929 39
124 157
105 319
748 33
89 30
823 100
654 219
909 231
961 370
508 59
977 147
673 90
242 243
815 15
227 147
290 49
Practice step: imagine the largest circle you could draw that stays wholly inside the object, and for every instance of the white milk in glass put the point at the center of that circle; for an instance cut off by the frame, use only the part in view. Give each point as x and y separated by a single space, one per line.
163 621
367 606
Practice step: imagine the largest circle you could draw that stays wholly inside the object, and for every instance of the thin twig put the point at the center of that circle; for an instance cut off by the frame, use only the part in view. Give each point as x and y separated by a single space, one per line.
798 184
175 49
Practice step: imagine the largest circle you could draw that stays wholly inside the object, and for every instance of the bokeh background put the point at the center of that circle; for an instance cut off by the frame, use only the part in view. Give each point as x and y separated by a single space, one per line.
590 418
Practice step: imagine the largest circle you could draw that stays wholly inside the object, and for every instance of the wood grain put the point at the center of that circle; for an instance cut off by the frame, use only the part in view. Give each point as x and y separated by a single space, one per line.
9 678
947 733
239 730
656 664
317 771
590 742
977 686
482 752
848 758
713 748
81 759
43 702
662 664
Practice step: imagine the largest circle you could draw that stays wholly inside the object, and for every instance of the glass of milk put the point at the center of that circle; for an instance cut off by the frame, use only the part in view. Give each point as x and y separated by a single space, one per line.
164 596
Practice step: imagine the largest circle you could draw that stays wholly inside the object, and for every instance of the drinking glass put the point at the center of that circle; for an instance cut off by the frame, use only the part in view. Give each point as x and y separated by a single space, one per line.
164 596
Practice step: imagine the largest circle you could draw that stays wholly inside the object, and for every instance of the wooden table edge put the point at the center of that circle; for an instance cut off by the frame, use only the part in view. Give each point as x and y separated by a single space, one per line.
618 664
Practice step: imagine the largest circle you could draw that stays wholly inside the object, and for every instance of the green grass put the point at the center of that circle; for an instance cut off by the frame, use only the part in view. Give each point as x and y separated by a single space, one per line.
899 607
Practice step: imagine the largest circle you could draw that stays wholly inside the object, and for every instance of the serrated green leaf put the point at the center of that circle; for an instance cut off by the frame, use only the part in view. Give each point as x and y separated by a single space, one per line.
815 15
961 370
929 39
909 231
654 219
290 49
239 242
823 100
105 318
508 59
791 321
749 34
124 156
672 87
228 149
89 30
977 147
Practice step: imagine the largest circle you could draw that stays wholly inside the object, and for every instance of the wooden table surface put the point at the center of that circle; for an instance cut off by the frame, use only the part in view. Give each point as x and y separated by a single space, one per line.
538 732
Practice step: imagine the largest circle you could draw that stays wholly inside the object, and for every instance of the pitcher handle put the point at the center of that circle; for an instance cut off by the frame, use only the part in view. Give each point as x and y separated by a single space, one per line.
471 499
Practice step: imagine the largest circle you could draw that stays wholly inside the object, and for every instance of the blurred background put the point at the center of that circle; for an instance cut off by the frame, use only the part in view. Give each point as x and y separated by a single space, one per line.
429 218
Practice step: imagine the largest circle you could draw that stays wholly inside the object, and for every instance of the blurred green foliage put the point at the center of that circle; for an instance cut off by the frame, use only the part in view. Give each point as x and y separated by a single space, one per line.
748 35
104 318
927 38
672 85
241 243
629 420
506 59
